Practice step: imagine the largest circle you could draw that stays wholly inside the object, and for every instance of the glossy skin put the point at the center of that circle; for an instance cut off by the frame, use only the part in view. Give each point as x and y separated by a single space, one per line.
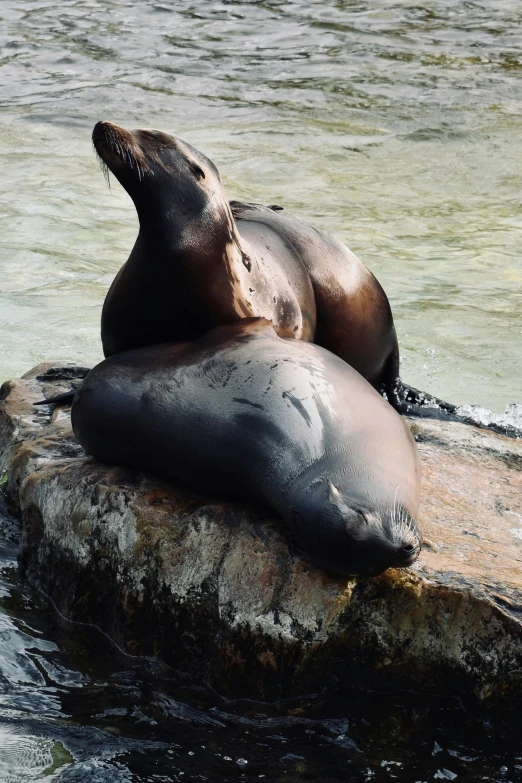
189 270
197 264
354 318
243 413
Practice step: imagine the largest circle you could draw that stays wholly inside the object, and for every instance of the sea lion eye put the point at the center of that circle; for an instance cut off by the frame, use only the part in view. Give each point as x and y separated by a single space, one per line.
198 171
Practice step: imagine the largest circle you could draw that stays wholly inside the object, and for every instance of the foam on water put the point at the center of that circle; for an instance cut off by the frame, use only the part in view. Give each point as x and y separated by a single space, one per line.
510 419
24 758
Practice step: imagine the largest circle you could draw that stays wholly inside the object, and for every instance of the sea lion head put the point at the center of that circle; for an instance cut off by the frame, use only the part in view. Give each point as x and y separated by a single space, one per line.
346 534
164 176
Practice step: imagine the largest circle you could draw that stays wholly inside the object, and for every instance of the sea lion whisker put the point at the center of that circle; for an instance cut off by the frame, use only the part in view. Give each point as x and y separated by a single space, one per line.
404 530
394 510
103 166
134 163
121 149
105 171
117 145
111 138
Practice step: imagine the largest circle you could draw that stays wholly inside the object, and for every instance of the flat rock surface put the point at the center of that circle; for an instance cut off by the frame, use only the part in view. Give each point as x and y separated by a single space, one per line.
215 588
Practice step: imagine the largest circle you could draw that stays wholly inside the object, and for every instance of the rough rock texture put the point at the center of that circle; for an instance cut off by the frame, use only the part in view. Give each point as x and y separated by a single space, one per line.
213 587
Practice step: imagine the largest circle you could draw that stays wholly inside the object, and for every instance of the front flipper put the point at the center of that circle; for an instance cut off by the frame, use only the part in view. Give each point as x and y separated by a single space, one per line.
240 208
60 399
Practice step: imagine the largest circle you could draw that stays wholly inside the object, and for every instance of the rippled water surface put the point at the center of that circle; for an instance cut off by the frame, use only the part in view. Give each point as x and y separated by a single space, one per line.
394 125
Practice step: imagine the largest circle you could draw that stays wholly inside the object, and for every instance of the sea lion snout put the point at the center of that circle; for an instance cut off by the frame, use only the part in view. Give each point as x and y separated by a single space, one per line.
119 152
406 536
108 134
376 553
408 554
345 533
101 129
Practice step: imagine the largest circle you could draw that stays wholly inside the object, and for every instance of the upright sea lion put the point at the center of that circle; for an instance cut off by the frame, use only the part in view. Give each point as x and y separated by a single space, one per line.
246 414
193 267
189 269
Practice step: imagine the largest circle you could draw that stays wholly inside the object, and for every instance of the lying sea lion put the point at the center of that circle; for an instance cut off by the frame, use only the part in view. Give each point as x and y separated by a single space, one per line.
243 413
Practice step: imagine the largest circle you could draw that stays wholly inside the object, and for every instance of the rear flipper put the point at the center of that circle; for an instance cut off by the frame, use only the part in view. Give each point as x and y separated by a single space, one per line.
412 402
61 399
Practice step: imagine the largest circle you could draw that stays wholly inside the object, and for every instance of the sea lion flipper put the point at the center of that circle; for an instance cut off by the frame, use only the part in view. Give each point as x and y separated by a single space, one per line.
239 208
413 402
59 399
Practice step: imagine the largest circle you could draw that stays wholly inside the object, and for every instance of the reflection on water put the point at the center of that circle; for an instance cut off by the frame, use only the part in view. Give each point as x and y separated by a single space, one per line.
395 125
74 708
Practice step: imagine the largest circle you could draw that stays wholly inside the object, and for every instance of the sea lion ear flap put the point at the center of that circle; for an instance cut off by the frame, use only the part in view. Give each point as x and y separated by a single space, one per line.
336 499
334 496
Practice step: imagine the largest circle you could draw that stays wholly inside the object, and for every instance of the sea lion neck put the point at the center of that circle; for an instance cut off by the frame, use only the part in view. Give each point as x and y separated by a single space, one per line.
178 226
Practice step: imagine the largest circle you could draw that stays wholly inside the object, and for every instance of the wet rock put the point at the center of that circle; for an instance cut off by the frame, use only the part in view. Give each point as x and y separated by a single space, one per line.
214 588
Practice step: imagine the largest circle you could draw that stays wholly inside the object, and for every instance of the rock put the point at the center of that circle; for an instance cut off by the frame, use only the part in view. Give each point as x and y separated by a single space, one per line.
214 589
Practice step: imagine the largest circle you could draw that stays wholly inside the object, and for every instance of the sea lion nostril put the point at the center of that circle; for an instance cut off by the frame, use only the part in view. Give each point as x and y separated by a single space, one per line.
409 549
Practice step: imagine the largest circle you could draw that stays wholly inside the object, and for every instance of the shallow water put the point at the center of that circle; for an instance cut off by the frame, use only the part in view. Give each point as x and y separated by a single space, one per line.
394 125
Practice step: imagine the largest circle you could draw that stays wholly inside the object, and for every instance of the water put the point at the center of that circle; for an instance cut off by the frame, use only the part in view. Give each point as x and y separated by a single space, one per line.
394 125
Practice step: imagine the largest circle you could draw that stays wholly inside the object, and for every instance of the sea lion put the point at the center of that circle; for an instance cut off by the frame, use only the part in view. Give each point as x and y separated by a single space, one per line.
194 267
189 269
354 317
243 413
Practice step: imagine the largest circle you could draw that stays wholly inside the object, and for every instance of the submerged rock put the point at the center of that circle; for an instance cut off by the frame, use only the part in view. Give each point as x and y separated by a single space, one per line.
214 588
